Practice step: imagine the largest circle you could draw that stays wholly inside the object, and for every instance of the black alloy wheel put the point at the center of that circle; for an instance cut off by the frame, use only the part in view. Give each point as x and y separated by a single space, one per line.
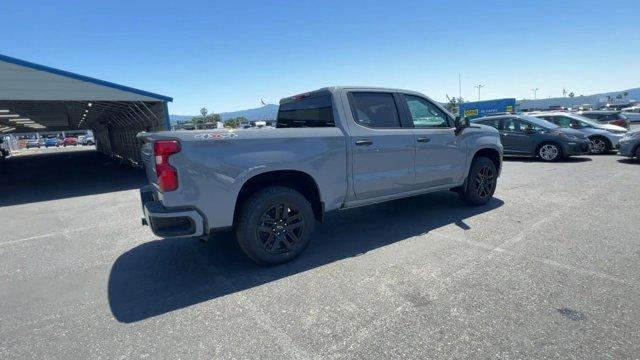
280 228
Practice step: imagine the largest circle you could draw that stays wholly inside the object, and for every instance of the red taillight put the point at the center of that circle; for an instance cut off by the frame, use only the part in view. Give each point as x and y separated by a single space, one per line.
167 174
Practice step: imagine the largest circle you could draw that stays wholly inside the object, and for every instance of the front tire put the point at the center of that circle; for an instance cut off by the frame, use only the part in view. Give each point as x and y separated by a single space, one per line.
481 182
275 225
599 145
549 152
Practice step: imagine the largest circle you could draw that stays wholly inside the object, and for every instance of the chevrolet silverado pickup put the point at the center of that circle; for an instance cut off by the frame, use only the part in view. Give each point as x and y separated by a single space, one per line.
332 149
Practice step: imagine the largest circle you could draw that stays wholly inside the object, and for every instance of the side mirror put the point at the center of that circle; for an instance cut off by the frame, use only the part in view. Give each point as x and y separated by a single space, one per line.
460 123
574 125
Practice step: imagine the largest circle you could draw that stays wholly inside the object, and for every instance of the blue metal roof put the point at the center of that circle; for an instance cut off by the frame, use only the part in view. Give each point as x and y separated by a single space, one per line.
82 77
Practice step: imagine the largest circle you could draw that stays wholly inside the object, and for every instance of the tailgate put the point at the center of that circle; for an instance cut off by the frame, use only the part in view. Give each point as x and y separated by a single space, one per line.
146 154
146 157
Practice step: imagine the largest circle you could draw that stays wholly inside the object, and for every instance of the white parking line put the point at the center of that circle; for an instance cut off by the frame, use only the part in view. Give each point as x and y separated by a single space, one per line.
28 238
501 249
36 237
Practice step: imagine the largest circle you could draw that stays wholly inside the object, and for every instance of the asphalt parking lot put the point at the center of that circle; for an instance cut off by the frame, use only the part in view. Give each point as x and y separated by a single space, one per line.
548 269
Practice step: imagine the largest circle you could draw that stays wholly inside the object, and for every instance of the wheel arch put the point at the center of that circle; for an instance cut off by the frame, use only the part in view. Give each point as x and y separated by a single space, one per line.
606 140
298 180
492 154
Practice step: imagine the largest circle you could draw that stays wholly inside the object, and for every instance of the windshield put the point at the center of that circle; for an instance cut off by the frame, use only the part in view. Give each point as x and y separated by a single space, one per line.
540 122
584 119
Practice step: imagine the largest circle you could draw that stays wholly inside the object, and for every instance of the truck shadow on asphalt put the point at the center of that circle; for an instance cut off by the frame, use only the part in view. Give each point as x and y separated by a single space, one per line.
170 274
60 175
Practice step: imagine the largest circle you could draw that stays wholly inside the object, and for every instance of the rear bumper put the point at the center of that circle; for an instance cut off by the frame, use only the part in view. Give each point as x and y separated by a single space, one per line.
166 222
627 148
579 147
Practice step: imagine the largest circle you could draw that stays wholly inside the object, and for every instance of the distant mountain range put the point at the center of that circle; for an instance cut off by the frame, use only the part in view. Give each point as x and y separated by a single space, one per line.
270 111
595 100
266 112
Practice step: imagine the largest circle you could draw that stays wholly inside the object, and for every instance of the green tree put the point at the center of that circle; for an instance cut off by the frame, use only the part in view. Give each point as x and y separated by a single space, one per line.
235 122
453 103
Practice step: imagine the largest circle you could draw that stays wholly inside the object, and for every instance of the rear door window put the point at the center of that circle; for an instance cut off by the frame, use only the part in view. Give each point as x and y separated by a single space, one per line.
562 121
375 110
514 125
314 111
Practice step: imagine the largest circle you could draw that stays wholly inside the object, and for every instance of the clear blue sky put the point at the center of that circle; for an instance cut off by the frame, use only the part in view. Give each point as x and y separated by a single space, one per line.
227 55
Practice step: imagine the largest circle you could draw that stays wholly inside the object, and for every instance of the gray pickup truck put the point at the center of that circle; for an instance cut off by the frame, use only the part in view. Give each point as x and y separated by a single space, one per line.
332 149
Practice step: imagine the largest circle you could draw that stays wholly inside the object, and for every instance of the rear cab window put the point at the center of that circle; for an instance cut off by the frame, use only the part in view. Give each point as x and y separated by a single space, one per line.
306 111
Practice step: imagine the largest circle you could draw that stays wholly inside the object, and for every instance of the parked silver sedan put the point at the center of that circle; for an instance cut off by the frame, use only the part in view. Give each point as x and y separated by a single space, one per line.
603 137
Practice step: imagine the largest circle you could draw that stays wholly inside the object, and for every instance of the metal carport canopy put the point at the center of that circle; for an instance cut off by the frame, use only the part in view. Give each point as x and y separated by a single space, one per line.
35 98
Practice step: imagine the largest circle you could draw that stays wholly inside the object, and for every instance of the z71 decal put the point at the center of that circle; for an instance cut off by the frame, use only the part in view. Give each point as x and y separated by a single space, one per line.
216 136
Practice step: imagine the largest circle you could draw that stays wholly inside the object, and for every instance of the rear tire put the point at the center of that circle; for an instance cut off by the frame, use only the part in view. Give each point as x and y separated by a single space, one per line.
275 225
549 152
481 182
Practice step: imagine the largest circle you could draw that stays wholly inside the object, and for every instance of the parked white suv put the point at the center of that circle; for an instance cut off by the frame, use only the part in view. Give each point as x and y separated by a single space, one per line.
86 140
603 137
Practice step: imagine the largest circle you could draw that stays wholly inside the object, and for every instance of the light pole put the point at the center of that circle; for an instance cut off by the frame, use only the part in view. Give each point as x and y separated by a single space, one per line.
479 86
535 97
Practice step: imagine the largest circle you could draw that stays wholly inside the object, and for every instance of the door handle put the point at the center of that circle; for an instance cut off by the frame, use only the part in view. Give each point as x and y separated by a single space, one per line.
365 142
423 139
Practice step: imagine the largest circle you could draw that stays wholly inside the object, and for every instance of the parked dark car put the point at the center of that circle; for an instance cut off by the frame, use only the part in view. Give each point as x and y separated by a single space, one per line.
524 135
607 117
630 145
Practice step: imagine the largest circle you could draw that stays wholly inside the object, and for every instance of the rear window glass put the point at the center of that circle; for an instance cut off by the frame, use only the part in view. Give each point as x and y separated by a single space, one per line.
308 112
492 122
592 115
375 110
